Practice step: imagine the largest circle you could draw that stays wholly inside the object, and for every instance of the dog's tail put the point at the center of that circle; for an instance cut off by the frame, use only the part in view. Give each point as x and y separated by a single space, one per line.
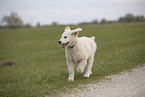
93 38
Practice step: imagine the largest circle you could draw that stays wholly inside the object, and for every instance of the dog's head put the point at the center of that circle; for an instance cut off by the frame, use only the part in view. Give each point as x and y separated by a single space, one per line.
68 38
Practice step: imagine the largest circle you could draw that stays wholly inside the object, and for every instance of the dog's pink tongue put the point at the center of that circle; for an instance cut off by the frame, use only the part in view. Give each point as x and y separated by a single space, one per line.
64 45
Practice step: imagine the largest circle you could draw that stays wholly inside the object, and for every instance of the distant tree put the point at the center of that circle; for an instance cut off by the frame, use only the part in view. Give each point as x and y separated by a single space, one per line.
38 24
12 21
121 19
111 21
129 18
84 23
1 26
95 22
27 25
103 21
54 24
139 18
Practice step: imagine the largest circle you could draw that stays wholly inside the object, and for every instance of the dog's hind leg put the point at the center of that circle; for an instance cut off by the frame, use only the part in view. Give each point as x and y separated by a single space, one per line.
89 67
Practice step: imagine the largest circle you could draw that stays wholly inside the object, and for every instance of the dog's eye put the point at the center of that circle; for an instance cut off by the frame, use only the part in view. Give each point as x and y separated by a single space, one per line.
65 36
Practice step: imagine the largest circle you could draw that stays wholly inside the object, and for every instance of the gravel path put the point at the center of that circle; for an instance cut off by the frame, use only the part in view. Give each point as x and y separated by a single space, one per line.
127 84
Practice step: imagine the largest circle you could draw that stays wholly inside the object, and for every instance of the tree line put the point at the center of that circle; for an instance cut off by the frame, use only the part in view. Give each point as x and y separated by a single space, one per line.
128 18
14 21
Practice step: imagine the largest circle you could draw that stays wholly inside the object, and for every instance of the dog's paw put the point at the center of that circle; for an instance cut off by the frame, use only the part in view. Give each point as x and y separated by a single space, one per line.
70 79
87 74
79 70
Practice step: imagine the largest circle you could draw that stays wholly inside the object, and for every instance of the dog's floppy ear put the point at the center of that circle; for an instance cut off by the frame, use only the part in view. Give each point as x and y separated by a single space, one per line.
67 28
76 31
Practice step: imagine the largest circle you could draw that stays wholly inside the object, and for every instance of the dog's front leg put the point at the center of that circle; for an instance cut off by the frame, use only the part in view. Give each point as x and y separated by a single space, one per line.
81 66
70 66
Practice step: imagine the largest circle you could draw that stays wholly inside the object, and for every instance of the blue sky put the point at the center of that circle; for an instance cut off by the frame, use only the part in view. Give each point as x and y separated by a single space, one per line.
70 11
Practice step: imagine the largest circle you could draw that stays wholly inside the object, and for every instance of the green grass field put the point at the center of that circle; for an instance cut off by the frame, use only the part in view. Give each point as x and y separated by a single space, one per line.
41 68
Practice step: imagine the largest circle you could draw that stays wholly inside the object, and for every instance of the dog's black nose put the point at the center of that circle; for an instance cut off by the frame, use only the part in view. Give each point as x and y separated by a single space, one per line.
59 42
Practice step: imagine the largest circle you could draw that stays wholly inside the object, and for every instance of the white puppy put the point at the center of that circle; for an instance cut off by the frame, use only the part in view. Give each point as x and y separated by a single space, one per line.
78 50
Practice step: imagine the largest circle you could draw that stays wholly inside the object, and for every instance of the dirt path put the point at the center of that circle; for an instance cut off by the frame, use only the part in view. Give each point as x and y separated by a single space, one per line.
127 84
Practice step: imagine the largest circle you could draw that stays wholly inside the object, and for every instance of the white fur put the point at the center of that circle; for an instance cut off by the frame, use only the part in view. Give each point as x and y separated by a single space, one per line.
79 50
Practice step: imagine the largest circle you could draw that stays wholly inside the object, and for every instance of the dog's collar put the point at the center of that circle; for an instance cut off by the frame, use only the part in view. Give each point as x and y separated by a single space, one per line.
74 45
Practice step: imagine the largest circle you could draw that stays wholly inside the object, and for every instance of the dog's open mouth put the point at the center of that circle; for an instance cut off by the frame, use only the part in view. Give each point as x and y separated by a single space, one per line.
65 45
